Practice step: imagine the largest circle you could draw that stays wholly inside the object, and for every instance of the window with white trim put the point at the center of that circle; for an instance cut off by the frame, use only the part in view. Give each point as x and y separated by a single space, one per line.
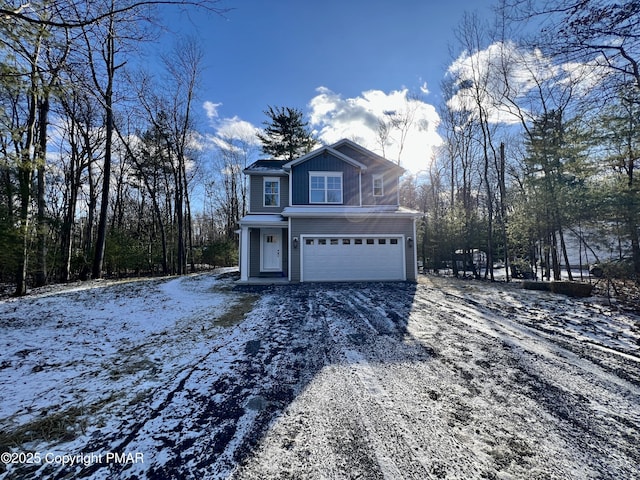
378 185
271 192
325 187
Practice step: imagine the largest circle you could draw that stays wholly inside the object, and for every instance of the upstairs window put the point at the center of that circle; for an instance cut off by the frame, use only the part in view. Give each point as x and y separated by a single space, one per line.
325 187
271 192
378 185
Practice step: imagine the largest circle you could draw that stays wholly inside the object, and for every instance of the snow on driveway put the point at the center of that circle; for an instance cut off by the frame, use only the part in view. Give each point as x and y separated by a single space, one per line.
440 379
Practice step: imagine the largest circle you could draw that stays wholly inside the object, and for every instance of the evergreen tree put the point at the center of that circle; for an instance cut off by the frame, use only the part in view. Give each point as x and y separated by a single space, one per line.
286 135
618 141
555 184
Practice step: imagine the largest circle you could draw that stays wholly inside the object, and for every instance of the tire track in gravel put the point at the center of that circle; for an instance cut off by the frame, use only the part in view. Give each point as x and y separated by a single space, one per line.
353 422
409 389
385 433
574 389
223 401
418 384
389 381
371 342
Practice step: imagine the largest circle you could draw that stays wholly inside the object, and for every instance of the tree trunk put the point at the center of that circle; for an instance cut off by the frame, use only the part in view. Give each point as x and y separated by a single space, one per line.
178 207
489 266
85 272
554 256
40 277
632 220
101 235
187 203
547 257
503 208
563 246
25 176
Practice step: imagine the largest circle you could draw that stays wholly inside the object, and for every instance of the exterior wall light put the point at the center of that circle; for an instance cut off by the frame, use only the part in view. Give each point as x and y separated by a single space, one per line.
295 242
410 242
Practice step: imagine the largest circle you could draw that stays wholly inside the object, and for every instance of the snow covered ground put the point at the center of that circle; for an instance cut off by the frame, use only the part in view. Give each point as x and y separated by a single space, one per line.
441 379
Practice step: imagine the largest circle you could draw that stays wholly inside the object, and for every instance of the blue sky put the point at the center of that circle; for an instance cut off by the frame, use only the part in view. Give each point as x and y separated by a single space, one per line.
339 61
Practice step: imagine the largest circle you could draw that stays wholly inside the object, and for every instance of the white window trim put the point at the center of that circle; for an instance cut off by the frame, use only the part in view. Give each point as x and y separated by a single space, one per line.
327 175
264 191
373 185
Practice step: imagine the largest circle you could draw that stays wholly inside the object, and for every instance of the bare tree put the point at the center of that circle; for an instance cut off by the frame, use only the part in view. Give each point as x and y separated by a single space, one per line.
101 50
587 31
32 60
66 11
476 93
395 126
231 199
169 142
35 49
83 138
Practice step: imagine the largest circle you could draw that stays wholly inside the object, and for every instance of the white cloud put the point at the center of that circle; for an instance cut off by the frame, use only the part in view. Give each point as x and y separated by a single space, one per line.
237 128
586 76
211 109
229 132
359 118
503 73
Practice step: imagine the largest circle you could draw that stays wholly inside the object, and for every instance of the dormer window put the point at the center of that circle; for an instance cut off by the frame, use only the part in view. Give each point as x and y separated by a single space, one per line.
325 187
378 185
271 192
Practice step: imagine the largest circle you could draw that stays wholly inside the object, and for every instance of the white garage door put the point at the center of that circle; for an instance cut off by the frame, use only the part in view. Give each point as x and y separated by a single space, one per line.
352 258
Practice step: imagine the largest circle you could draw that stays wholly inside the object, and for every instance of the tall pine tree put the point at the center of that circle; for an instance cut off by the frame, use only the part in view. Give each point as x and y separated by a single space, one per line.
286 135
556 170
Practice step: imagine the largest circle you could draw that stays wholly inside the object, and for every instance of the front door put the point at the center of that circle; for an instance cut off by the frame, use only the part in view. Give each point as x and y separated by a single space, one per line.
271 241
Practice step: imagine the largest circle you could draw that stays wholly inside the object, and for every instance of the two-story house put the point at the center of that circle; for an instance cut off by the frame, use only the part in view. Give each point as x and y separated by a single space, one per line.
330 215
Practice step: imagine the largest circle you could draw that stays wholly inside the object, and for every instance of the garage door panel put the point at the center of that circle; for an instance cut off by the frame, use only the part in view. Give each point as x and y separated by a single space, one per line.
352 258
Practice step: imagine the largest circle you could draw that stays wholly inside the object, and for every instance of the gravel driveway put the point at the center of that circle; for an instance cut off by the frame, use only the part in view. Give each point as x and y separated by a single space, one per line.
440 379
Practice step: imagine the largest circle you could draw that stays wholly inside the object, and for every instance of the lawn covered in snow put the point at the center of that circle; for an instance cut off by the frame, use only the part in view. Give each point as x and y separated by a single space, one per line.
192 377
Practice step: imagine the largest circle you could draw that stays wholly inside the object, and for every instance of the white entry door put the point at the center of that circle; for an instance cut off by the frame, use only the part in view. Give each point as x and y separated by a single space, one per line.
271 247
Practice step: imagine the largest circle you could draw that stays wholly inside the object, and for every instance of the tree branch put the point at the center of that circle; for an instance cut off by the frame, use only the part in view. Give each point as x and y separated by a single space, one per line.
17 14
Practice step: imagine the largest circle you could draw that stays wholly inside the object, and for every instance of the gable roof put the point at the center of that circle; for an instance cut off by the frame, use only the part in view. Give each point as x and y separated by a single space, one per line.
320 151
346 144
340 150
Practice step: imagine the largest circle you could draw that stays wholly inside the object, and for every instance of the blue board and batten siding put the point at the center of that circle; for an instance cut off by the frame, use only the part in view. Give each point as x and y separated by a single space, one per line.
353 183
389 188
355 154
375 166
325 163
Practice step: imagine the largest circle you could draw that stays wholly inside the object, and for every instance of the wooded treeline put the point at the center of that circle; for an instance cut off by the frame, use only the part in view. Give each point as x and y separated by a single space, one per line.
542 140
99 160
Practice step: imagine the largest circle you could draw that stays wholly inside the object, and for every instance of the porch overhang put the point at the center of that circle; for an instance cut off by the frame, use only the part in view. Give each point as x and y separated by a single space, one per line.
349 212
267 221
